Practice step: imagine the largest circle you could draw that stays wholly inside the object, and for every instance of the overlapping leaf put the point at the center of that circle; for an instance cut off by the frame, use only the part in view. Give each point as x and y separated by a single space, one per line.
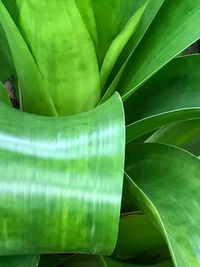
100 261
165 185
139 239
173 95
176 134
173 29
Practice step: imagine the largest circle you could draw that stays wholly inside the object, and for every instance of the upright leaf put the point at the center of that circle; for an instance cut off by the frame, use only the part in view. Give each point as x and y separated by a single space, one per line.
173 29
145 21
119 43
165 185
64 52
33 94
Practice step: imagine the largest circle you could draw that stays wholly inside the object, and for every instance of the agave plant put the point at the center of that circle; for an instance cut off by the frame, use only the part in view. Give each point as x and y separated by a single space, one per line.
79 66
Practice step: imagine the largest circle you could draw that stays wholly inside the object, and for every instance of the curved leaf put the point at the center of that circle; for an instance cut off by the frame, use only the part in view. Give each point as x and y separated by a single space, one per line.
33 94
173 95
165 185
138 237
61 179
193 146
119 43
173 29
145 21
6 64
100 261
176 134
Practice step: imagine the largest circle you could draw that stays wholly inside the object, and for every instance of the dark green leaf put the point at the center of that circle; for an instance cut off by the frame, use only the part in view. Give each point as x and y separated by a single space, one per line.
173 29
173 95
19 261
165 185
176 134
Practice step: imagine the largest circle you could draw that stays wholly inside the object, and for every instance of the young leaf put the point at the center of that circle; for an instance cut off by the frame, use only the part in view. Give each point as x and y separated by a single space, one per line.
173 29
145 21
64 52
62 180
165 185
119 43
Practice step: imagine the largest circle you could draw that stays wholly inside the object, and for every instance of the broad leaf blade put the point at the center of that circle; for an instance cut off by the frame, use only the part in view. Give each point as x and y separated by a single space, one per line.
49 163
173 95
165 184
63 51
173 29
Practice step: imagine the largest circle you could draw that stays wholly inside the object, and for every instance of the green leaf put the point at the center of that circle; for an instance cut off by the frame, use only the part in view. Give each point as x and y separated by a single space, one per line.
173 95
145 21
193 146
111 17
87 12
173 29
138 237
6 64
101 261
19 261
63 51
33 94
176 134
165 185
50 163
119 43
4 95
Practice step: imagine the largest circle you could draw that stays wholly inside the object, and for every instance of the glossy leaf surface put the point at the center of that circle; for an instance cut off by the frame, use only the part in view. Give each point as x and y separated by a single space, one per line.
61 179
173 29
173 95
165 185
